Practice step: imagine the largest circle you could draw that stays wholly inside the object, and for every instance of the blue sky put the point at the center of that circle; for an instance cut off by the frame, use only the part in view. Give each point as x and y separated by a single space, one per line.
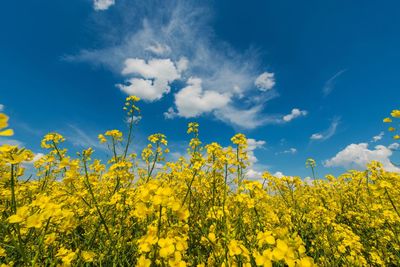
301 79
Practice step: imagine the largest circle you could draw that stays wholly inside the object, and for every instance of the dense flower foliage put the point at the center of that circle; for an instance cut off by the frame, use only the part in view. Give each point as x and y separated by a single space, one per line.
198 211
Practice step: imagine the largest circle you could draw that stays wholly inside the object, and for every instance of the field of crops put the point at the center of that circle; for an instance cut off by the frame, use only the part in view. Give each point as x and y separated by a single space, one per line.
200 211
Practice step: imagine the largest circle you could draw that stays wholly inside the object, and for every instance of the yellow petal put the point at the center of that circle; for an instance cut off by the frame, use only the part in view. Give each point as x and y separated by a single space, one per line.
15 219
8 132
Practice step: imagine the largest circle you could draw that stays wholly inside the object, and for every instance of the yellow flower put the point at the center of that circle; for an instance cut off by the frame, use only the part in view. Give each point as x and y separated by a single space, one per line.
234 248
281 249
166 247
52 139
305 262
4 124
396 137
392 129
143 262
8 132
102 138
265 259
88 256
395 113
34 221
2 252
387 120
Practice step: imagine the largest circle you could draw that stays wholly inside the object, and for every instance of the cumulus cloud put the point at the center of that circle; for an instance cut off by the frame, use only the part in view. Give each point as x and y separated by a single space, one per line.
357 156
328 133
154 79
295 113
378 137
265 82
179 31
192 100
102 4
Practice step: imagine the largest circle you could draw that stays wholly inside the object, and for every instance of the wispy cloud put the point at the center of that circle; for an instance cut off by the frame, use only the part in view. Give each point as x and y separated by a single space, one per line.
10 141
328 133
291 151
330 84
80 138
378 137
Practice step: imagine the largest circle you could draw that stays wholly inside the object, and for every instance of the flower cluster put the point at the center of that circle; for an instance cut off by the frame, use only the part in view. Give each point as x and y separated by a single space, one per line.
197 211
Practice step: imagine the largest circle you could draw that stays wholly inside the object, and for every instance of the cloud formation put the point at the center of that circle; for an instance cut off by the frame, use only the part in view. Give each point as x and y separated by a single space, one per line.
153 78
177 35
378 137
102 4
328 133
192 100
295 113
357 156
266 81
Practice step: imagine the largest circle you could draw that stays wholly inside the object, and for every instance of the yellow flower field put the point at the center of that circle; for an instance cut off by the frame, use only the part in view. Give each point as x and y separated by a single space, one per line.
200 211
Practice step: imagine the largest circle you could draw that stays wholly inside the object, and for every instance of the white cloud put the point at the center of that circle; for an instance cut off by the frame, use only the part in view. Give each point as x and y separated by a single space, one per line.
378 137
253 144
182 64
156 76
1 107
254 171
328 133
358 155
170 113
246 118
294 114
291 150
145 89
278 174
330 84
102 4
316 136
253 174
80 138
265 81
308 180
394 146
159 49
192 100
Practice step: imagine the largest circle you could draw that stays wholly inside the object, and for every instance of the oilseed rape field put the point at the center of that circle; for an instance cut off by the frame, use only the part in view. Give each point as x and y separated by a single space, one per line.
197 211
